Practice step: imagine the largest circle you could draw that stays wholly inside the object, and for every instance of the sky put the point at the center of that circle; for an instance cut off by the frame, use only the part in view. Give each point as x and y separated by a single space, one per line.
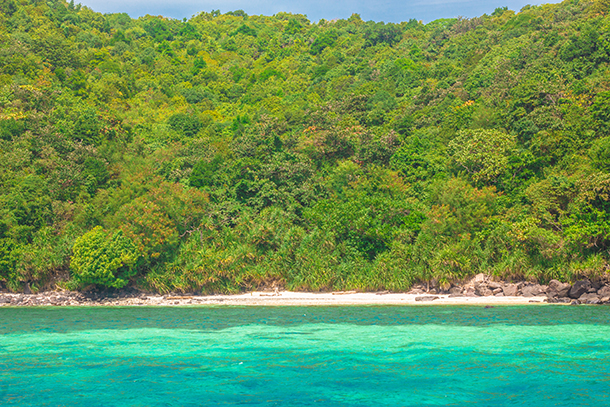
393 11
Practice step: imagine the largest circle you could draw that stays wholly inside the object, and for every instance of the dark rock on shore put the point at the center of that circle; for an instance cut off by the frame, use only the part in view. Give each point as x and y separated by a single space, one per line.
604 291
557 289
482 290
579 288
493 285
533 290
469 292
589 298
510 290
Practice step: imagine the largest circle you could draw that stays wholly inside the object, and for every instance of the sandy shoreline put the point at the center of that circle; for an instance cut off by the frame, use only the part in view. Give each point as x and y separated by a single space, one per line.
309 299
479 290
257 298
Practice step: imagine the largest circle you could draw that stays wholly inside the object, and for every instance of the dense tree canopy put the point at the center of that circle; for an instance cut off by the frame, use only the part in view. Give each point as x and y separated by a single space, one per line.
230 151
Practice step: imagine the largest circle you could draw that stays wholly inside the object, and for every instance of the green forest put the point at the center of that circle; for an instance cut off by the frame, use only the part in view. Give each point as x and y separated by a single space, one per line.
230 152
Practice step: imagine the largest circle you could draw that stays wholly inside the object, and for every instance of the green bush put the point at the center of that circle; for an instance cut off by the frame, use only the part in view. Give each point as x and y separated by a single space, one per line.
104 258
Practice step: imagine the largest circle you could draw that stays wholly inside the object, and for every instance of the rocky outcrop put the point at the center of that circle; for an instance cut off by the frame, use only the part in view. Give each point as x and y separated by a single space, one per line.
69 298
556 292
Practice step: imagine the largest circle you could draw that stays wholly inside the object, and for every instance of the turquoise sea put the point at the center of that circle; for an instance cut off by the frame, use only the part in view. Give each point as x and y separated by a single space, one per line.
301 356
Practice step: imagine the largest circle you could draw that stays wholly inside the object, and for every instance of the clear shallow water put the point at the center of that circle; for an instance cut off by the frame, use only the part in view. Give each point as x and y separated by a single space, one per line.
301 356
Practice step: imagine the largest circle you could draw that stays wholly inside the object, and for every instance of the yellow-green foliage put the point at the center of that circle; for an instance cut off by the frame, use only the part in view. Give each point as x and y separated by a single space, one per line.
482 154
104 258
229 152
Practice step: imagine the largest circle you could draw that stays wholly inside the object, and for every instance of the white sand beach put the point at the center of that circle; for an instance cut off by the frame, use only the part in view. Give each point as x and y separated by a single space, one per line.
335 298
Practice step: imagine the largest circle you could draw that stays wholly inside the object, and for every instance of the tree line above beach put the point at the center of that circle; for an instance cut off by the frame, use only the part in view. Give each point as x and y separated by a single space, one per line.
229 152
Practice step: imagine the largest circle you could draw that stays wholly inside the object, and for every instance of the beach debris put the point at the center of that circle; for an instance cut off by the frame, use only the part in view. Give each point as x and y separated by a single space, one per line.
343 292
427 298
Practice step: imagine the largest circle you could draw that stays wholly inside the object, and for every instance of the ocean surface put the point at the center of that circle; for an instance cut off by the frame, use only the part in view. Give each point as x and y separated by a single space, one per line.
302 356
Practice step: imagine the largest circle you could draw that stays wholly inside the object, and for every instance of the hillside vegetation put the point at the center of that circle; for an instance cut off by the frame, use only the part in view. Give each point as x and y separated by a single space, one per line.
229 152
